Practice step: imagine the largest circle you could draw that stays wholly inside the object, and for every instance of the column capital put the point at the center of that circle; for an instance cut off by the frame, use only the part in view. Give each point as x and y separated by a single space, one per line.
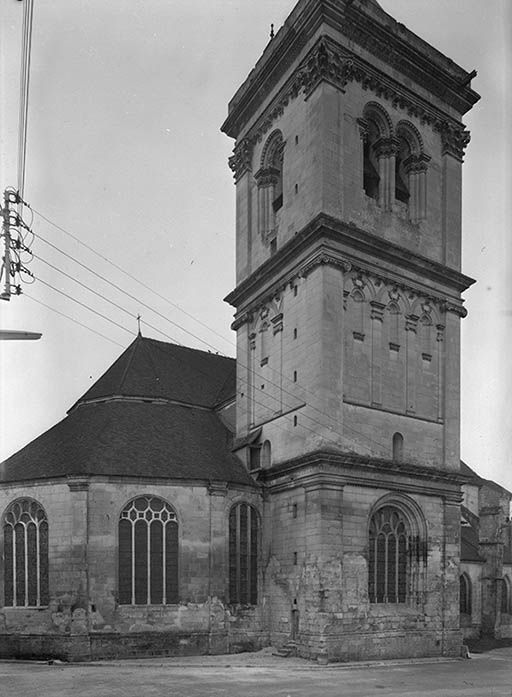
386 147
267 176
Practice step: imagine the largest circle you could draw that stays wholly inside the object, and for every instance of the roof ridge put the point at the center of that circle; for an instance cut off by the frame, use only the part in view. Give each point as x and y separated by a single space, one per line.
188 348
152 361
130 360
217 401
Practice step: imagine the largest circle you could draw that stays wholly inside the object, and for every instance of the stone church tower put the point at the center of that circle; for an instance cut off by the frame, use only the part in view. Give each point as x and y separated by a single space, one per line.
347 162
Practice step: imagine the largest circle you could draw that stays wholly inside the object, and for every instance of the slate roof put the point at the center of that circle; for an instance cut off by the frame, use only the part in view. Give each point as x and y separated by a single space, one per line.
150 368
469 544
116 429
477 480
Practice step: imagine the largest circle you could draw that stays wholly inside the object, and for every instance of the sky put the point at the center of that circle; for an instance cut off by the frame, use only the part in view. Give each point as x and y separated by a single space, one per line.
125 153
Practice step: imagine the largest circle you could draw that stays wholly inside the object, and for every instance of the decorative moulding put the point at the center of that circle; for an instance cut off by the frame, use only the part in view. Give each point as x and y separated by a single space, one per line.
376 32
329 62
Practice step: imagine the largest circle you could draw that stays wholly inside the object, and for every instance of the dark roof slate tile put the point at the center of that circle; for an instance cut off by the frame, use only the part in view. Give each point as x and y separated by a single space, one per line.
150 368
133 439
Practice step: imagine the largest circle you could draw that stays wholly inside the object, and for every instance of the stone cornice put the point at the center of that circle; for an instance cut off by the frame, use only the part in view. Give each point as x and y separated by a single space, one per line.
376 32
327 231
81 483
358 470
329 62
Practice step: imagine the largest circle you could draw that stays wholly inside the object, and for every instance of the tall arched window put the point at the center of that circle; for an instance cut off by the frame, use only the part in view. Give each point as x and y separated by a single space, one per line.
243 554
403 152
465 595
148 553
378 150
506 600
270 187
397 555
371 177
411 170
26 554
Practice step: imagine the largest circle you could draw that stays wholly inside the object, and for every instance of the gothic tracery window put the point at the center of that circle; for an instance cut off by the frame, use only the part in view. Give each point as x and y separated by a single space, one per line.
148 553
26 554
397 555
243 554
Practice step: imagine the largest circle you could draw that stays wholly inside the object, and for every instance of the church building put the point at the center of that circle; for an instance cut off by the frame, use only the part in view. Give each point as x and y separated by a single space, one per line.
307 495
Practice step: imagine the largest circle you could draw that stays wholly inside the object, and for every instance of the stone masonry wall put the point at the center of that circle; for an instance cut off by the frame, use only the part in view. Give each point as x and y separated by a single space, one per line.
317 578
84 618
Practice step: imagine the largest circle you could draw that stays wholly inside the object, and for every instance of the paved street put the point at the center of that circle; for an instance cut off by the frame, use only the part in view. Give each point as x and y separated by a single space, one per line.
484 675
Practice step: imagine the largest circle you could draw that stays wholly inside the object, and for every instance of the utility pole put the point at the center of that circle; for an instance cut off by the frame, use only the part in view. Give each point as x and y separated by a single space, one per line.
5 269
13 246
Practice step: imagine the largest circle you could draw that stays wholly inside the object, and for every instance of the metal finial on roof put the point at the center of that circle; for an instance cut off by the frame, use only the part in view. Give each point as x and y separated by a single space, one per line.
271 32
138 325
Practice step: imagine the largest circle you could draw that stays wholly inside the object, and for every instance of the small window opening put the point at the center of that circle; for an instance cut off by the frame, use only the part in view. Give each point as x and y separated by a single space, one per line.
296 140
295 558
273 246
294 420
295 291
295 333
398 447
294 376
294 510
296 188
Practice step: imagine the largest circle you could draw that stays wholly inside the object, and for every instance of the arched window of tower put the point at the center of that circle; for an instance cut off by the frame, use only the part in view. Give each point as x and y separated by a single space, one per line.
411 171
371 178
402 192
269 179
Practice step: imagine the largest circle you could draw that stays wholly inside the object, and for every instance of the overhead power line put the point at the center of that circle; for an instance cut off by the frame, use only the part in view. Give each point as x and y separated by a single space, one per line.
87 307
130 276
24 92
304 390
72 319
118 288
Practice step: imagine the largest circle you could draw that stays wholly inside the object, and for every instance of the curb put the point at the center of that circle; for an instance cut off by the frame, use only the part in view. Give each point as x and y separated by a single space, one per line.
284 664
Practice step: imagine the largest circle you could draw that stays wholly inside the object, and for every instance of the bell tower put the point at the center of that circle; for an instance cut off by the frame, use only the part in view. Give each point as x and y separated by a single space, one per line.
347 164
